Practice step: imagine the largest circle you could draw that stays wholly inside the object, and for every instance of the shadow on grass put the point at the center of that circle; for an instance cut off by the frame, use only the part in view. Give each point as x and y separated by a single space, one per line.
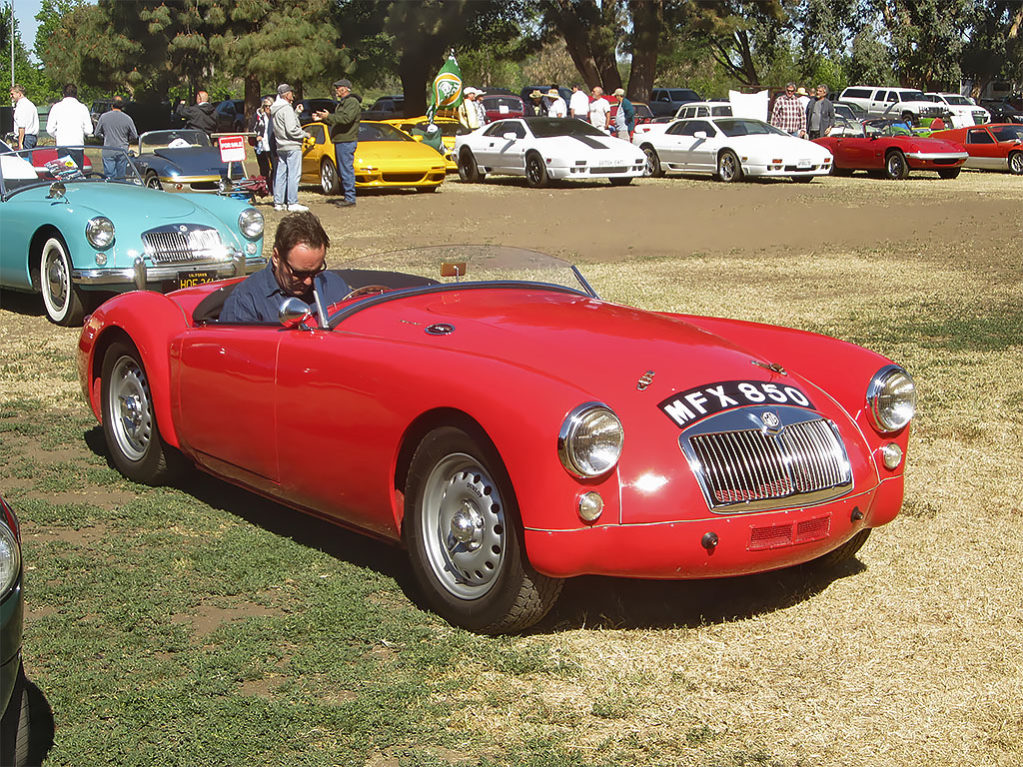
27 729
29 304
585 602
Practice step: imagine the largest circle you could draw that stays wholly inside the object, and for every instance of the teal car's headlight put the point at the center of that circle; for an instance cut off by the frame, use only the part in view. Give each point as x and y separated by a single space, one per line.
250 221
591 439
10 559
100 232
891 398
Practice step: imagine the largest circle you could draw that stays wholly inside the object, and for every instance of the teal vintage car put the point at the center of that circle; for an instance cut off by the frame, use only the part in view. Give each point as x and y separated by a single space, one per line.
79 223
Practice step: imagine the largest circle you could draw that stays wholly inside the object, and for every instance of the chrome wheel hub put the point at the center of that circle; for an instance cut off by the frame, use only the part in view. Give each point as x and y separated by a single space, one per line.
130 410
57 280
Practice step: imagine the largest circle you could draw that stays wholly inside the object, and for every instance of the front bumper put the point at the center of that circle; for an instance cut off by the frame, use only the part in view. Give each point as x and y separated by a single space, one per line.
616 170
205 183
142 274
786 170
935 160
746 543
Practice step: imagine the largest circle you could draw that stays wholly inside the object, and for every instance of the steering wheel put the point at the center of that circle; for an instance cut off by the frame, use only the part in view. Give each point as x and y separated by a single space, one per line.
366 290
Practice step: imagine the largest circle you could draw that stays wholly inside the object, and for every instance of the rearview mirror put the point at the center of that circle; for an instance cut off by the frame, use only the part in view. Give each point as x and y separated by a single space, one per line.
453 269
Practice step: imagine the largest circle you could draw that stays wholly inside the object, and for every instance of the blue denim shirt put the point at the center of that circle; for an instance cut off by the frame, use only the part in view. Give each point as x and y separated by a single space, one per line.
259 298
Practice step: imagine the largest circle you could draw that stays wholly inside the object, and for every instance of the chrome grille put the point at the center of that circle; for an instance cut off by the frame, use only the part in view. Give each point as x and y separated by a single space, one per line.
183 244
756 467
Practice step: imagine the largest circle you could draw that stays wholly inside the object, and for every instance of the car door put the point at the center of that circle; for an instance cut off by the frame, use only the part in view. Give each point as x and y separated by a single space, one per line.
684 150
880 101
503 147
984 150
313 153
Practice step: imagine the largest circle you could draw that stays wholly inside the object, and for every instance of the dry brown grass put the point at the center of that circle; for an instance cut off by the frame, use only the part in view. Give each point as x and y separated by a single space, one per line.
912 659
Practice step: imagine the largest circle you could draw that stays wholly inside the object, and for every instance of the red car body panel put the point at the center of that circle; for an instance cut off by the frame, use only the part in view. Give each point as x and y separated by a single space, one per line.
860 153
324 420
983 143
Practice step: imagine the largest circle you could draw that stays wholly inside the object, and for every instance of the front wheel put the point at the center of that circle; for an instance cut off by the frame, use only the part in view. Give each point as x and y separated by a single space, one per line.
653 163
464 537
895 166
1016 163
729 167
61 297
152 181
468 170
329 182
129 421
949 173
536 171
16 724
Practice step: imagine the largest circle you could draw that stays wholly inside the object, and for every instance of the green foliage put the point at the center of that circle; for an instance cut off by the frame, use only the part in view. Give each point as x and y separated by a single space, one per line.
37 85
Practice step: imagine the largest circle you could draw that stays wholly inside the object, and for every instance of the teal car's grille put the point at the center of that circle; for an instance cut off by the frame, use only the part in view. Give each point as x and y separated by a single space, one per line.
183 243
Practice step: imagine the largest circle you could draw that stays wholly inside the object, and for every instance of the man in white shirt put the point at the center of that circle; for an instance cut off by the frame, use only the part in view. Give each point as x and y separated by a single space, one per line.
579 104
600 109
557 106
69 122
26 119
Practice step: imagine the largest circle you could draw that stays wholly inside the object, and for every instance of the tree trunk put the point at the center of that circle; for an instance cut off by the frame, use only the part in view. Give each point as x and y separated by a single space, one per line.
252 98
647 22
413 69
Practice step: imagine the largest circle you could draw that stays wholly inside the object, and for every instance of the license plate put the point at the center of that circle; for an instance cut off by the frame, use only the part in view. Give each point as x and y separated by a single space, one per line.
191 279
804 164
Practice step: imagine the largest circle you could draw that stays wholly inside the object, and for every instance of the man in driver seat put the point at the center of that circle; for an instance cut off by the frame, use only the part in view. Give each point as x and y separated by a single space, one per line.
300 250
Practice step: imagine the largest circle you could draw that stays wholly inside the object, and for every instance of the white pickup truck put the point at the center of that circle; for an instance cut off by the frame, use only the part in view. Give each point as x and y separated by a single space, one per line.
892 102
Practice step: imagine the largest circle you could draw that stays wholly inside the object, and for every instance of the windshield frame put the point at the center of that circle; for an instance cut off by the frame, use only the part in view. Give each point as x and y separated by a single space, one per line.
64 168
202 141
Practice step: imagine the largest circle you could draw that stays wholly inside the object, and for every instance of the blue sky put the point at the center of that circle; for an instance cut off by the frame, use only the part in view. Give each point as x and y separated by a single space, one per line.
25 12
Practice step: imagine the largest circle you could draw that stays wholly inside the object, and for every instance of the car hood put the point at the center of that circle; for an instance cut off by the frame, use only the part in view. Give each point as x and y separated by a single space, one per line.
394 153
147 210
601 147
936 145
193 160
766 144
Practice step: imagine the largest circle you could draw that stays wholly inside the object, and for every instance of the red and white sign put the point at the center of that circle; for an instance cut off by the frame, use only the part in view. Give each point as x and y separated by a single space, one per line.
232 149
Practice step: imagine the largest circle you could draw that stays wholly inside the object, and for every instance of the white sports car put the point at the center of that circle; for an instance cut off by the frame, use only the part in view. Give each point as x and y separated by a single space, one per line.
733 147
544 149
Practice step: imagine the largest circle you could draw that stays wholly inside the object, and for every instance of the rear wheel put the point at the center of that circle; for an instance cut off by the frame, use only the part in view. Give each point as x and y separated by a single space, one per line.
895 166
62 298
729 167
949 173
468 170
465 539
1016 163
329 182
152 181
536 171
653 163
129 420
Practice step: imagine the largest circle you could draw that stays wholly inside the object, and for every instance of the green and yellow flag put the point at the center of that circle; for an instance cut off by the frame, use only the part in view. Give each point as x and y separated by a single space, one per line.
446 92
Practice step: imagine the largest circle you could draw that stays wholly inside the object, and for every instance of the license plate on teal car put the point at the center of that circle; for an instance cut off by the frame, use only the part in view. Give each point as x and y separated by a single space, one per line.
191 279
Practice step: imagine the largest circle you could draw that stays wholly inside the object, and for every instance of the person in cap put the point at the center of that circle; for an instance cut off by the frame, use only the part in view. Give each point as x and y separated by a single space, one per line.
289 135
535 106
625 117
803 96
556 105
343 124
468 116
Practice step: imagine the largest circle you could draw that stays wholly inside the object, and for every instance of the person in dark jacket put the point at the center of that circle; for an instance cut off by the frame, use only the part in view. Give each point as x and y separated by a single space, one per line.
344 132
200 116
820 114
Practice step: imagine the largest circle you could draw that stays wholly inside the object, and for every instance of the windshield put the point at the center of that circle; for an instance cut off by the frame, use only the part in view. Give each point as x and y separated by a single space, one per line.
45 165
887 128
503 104
959 101
370 131
172 139
438 268
740 127
913 96
552 127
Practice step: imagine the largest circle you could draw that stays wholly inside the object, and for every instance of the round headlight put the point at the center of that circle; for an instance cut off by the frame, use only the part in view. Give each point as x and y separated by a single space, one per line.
100 232
10 559
591 439
891 398
250 221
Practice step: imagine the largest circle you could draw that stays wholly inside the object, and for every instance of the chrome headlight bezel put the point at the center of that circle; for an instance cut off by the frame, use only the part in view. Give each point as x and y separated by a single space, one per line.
591 440
99 231
891 399
10 560
250 223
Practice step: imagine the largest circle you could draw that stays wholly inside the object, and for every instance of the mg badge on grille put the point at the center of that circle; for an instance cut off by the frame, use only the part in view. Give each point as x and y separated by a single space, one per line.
771 421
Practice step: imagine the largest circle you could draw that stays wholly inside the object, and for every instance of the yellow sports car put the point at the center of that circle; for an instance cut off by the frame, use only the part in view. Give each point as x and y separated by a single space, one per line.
384 158
449 128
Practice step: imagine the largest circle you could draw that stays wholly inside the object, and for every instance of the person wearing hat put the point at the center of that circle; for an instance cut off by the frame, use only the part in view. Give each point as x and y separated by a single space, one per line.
343 125
535 106
289 135
803 96
625 117
556 105
467 114
481 110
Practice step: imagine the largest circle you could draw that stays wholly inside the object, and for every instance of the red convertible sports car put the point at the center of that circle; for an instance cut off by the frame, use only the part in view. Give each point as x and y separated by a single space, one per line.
991 147
486 409
888 148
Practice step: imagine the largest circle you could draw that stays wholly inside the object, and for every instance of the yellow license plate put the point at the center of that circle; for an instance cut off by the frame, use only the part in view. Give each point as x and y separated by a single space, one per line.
191 279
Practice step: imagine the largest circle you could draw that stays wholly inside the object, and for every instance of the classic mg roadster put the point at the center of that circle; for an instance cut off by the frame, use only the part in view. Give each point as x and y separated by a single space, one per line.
482 406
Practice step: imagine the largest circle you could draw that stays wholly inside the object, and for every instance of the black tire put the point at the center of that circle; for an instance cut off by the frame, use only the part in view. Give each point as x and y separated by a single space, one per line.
468 170
1016 163
729 167
895 165
152 181
480 580
843 553
620 180
653 163
949 173
536 171
63 299
330 183
16 726
129 420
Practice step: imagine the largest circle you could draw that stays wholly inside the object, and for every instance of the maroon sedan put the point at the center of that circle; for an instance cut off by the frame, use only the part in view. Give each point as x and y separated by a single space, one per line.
502 107
888 148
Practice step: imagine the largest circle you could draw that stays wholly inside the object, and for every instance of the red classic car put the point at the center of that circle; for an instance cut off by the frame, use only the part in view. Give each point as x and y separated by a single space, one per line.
991 147
889 148
501 107
486 409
